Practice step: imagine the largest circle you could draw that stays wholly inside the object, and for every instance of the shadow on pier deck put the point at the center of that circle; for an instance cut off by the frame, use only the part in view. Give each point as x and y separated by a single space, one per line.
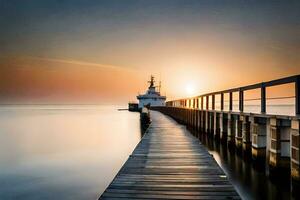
169 163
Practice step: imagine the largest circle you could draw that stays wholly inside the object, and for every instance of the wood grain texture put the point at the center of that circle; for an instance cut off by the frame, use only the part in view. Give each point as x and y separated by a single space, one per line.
170 163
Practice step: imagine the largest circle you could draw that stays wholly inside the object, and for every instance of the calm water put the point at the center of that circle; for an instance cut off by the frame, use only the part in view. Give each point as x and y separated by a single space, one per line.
63 152
73 152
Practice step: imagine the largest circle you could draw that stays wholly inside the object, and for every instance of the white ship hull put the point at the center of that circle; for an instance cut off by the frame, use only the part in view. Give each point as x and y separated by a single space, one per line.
150 102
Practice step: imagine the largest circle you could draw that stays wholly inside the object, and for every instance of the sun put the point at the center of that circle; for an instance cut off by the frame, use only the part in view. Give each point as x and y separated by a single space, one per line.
190 89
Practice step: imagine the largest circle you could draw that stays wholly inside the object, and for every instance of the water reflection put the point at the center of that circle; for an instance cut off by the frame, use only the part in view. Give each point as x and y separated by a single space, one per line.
249 177
63 152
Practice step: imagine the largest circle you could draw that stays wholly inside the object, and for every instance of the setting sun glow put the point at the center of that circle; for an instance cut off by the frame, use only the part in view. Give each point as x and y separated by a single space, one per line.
190 89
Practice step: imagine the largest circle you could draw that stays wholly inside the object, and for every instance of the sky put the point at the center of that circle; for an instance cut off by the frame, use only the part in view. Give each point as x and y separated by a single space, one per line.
104 51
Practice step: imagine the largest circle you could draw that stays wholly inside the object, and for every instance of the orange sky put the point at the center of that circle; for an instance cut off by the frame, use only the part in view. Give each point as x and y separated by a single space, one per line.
34 80
104 52
24 80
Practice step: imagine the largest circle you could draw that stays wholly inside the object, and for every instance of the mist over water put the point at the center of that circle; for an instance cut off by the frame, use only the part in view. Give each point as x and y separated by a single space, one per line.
63 152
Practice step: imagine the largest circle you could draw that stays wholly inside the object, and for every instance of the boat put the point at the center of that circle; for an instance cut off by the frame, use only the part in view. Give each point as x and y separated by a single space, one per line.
152 97
133 107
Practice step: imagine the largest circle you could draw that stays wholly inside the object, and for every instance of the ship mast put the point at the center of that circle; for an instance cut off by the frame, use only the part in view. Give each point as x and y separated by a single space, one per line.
159 86
151 81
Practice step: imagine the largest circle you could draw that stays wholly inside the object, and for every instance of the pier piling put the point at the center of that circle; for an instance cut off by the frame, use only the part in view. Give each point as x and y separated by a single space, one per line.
279 151
295 152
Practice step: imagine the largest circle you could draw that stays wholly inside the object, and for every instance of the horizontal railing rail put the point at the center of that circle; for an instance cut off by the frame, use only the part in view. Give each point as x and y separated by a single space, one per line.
209 98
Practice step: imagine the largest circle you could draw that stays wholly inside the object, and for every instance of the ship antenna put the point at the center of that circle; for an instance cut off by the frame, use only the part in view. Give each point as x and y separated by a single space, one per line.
159 86
151 81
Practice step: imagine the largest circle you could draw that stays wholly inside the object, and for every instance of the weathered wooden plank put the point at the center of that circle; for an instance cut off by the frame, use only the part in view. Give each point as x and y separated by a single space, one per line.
169 163
177 192
161 196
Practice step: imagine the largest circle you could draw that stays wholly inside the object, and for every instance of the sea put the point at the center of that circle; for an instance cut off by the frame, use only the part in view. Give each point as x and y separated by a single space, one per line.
74 152
63 151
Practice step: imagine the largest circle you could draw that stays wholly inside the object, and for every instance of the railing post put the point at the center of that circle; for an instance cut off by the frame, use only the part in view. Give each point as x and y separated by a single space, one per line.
230 101
297 95
207 102
194 103
263 98
241 100
213 102
202 103
222 101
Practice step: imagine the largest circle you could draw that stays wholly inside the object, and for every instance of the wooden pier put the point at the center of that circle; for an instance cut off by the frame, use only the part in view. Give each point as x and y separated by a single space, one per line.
170 163
271 138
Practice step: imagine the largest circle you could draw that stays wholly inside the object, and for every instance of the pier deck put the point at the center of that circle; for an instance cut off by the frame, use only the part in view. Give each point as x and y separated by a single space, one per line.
169 163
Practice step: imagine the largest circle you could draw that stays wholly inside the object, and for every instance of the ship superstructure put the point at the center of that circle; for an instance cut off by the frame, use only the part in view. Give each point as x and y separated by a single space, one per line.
152 97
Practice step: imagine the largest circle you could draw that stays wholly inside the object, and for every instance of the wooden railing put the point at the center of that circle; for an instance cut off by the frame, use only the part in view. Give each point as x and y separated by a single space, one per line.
198 101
